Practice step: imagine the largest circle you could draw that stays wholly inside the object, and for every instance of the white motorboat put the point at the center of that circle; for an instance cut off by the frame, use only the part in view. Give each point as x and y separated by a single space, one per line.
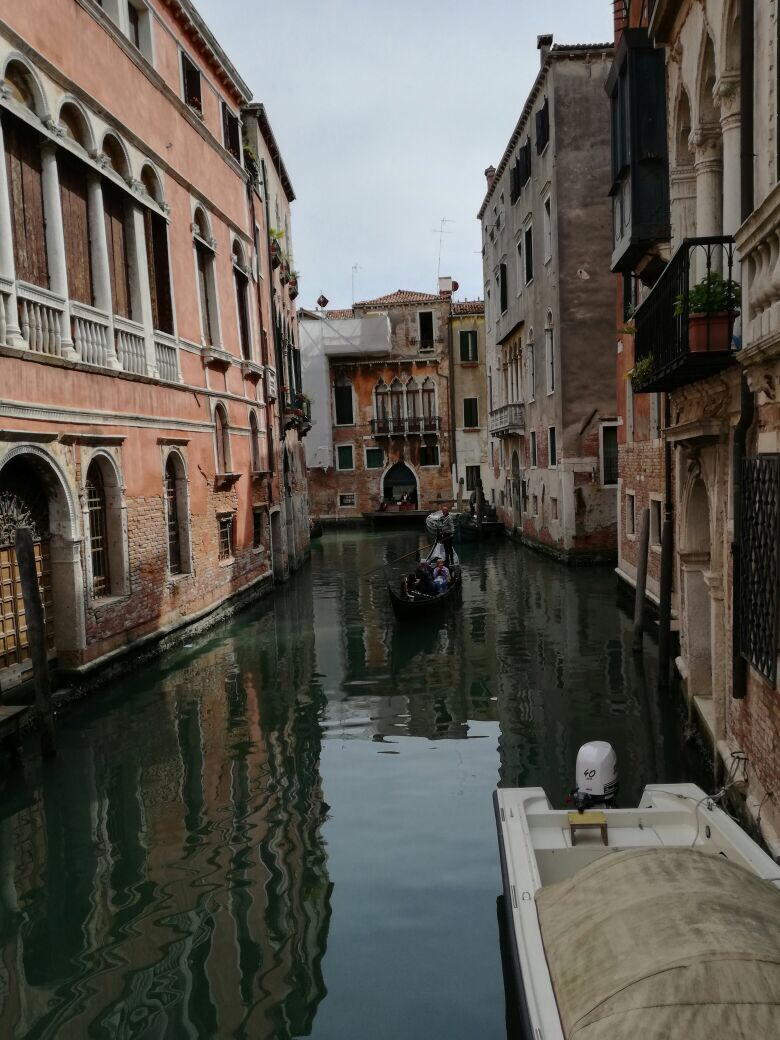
637 924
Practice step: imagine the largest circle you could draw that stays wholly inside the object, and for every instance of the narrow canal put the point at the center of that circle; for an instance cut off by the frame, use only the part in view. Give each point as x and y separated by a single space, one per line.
286 829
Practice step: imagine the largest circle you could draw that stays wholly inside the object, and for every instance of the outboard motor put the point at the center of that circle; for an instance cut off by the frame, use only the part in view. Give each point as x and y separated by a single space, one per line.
597 776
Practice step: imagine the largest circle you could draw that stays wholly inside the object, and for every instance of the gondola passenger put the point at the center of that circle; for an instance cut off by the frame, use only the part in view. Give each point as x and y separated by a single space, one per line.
441 576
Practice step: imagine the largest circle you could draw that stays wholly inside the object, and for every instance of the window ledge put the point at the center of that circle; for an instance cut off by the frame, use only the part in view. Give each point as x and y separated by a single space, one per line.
108 601
469 364
471 429
216 357
229 561
177 579
251 370
260 474
225 481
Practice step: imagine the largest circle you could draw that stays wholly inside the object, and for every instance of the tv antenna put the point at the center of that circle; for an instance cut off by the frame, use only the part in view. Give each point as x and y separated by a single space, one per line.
441 233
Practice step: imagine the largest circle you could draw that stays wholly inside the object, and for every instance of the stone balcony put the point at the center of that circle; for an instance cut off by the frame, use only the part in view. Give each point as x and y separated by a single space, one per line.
758 241
508 420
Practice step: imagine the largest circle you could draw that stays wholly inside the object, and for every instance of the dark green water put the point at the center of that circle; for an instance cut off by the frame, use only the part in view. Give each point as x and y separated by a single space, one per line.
286 829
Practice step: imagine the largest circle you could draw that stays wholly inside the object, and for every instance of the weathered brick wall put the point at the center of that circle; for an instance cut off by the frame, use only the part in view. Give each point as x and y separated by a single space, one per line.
156 599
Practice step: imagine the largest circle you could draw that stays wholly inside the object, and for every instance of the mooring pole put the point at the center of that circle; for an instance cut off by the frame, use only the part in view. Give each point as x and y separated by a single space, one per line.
641 582
36 635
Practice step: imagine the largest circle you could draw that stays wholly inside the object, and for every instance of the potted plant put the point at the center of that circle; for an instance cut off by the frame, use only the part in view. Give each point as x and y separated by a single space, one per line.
712 308
276 249
643 369
293 286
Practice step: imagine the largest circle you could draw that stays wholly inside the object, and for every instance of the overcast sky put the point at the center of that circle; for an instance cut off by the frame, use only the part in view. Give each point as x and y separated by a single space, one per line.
387 115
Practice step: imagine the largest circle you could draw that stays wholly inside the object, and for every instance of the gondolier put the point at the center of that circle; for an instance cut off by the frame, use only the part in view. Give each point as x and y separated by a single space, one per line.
447 534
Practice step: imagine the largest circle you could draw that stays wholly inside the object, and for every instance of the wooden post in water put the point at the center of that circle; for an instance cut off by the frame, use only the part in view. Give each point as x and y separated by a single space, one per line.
480 503
36 634
641 582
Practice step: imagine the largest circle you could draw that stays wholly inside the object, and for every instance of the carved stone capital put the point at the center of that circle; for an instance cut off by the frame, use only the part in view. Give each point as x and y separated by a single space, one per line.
101 159
5 91
54 127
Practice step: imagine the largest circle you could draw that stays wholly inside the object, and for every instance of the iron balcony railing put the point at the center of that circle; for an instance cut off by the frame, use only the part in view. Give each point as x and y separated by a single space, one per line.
685 326
507 419
399 426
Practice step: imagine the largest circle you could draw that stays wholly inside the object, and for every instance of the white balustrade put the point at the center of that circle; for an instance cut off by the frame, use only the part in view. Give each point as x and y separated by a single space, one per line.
91 334
166 357
40 319
130 345
758 241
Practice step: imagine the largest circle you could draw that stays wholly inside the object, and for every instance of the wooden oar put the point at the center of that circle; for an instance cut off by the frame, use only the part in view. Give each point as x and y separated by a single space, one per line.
389 563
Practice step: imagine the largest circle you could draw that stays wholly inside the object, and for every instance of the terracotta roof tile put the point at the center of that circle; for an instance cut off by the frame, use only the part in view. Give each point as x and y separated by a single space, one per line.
336 314
401 296
468 307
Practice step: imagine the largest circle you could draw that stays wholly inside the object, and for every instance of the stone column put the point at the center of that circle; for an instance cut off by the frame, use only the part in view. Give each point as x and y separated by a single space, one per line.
55 241
727 93
708 167
7 264
101 270
139 279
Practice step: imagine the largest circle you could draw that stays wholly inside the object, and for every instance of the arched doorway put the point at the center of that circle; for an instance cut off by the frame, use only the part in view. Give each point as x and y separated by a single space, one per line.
33 494
398 481
695 560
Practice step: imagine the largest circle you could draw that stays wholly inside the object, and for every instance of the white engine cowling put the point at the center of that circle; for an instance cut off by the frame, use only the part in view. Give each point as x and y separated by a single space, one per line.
597 776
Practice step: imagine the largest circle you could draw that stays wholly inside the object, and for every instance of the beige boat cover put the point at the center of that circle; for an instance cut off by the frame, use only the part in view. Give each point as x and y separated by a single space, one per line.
661 943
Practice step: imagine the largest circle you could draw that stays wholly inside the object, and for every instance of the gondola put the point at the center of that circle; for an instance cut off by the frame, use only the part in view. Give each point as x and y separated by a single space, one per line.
419 606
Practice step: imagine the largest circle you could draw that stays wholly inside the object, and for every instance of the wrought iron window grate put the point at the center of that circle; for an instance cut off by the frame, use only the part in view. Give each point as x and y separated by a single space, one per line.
760 563
98 532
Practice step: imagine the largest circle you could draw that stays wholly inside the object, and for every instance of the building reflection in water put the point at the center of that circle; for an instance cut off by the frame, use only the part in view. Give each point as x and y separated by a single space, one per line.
538 648
166 875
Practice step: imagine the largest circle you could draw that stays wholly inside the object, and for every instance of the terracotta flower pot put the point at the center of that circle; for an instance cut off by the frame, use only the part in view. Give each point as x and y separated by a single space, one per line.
720 328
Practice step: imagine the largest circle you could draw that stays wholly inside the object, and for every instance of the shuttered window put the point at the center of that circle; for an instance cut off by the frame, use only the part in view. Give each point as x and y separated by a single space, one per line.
116 240
205 260
231 132
543 127
191 81
25 185
159 271
242 288
75 223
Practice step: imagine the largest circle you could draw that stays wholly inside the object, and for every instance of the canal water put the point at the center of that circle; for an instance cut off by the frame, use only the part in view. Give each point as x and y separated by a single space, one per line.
285 829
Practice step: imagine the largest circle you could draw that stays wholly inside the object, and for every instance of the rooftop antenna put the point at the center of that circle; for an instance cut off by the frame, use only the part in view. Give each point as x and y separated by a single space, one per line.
355 267
441 232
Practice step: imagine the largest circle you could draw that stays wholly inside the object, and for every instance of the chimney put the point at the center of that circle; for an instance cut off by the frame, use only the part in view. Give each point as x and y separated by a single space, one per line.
490 174
543 45
445 286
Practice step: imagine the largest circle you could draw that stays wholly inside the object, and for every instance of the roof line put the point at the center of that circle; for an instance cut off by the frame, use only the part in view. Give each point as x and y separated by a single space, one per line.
258 110
190 12
581 50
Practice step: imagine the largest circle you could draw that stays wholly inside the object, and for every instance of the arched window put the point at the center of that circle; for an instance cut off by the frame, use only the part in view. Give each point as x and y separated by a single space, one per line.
429 403
25 182
343 401
531 366
397 405
222 436
241 283
256 445
156 231
98 532
172 517
549 352
75 126
684 153
116 221
381 394
207 286
413 405
24 87
177 514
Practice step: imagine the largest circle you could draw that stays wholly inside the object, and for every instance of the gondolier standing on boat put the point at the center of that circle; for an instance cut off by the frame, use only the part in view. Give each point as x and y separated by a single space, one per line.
447 534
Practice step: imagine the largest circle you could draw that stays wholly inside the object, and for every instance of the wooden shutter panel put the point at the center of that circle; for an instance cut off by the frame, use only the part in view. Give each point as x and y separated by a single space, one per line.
159 271
25 181
203 289
75 220
114 206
